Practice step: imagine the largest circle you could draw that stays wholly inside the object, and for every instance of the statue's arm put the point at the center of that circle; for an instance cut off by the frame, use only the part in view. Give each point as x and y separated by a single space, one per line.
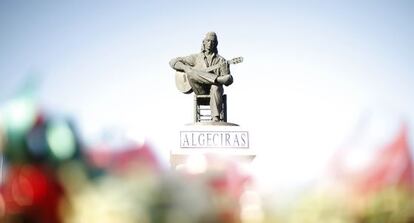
182 63
178 65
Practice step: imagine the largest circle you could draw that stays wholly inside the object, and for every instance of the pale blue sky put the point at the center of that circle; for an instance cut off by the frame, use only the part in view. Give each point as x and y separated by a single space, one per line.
312 68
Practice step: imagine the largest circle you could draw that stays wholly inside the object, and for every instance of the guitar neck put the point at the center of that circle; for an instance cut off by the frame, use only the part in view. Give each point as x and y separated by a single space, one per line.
215 66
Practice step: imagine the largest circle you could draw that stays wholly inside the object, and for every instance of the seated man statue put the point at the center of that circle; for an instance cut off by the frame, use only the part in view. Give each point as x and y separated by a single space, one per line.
202 82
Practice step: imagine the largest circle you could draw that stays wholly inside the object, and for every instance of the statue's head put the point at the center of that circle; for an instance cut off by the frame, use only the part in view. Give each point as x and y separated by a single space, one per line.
210 42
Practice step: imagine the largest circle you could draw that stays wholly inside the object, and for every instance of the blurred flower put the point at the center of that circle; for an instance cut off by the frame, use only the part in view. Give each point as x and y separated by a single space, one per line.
31 192
389 166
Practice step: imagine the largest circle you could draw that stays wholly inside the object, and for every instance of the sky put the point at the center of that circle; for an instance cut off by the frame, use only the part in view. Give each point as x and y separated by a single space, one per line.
314 72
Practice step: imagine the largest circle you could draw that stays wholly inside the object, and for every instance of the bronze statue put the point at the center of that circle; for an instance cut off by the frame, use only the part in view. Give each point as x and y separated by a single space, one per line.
205 73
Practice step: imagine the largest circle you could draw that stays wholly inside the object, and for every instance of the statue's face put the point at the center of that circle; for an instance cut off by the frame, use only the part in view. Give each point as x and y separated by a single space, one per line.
209 43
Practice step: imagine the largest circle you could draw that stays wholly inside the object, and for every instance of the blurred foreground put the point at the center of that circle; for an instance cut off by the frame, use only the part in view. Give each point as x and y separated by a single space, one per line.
49 175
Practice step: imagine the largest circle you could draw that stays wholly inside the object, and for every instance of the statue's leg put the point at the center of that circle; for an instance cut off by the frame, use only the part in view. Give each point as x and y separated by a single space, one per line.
202 77
199 88
216 93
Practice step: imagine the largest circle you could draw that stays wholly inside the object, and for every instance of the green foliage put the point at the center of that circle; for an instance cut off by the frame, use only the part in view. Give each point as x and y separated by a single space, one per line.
394 205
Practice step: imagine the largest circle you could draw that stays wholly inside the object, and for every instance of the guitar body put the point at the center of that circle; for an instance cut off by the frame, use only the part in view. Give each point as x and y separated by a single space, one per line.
182 84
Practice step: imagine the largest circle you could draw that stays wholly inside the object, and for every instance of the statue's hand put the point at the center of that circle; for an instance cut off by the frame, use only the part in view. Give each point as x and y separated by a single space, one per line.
187 69
225 79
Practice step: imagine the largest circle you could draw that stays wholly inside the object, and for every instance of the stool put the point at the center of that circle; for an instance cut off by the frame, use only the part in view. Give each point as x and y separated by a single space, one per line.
202 110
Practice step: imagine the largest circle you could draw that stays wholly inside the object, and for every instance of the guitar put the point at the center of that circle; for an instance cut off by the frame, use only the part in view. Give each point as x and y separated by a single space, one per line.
181 79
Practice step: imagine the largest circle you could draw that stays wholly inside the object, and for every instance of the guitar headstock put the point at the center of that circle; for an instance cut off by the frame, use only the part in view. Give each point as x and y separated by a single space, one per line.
235 60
